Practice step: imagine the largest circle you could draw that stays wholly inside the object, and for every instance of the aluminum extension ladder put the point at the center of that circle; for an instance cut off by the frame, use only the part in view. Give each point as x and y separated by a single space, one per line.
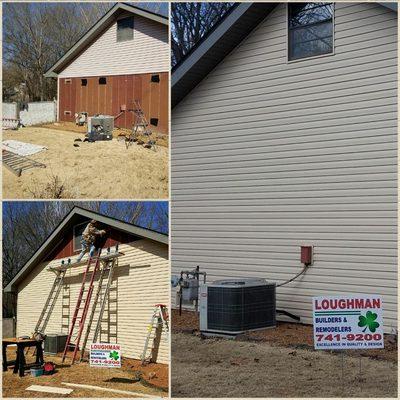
109 266
50 302
159 320
80 313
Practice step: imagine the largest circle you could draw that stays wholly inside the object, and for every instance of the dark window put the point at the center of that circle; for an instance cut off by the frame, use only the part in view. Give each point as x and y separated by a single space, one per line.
78 230
67 112
102 81
155 78
125 29
83 82
310 29
67 81
154 121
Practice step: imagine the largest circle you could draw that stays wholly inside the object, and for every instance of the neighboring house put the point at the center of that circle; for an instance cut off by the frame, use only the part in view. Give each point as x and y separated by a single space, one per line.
141 280
285 133
123 57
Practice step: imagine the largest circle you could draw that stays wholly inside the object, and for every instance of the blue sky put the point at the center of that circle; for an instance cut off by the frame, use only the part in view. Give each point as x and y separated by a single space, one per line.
150 210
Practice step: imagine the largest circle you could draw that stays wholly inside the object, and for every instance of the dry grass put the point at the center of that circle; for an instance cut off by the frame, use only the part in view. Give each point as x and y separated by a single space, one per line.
103 169
285 334
14 386
228 368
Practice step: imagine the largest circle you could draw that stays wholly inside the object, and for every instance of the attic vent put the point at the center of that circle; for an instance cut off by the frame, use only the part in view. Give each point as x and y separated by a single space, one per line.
83 82
103 81
155 78
125 29
67 81
154 121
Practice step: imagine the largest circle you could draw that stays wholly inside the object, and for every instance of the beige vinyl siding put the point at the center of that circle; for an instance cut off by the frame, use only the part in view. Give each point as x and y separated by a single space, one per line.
269 155
147 52
141 281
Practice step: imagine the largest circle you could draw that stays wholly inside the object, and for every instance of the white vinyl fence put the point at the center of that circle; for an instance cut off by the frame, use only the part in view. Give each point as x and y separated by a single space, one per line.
36 113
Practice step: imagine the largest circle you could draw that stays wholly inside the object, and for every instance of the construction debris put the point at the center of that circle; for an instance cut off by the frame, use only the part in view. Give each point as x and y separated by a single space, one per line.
22 148
16 163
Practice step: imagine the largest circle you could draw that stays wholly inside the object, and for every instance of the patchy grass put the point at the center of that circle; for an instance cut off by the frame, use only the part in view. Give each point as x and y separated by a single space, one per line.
104 169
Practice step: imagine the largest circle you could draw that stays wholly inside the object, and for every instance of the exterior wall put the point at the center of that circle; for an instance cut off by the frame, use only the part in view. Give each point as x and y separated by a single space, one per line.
147 52
270 155
108 99
141 281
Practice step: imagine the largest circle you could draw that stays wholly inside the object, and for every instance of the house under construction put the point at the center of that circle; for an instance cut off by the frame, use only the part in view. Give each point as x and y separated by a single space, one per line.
109 298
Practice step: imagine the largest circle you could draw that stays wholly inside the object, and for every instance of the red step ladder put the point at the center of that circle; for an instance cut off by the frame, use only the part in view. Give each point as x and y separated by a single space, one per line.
82 316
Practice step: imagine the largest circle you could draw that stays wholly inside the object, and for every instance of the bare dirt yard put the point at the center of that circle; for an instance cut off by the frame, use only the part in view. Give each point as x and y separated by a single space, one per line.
151 379
104 169
278 362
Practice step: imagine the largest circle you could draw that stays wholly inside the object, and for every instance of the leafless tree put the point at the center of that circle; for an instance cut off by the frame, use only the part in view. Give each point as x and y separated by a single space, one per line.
190 22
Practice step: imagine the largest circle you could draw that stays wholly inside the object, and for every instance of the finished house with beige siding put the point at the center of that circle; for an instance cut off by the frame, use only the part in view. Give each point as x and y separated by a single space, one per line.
140 281
284 133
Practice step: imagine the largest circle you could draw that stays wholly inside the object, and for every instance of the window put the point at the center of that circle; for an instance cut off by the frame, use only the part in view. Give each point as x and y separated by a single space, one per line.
125 29
83 82
154 121
78 230
155 78
102 81
310 29
67 81
67 112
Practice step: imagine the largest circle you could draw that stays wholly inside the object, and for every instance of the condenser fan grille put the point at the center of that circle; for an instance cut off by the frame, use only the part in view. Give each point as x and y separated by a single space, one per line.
240 309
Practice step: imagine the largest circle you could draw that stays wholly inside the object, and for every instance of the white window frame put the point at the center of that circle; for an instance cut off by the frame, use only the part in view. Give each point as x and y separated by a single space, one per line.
311 57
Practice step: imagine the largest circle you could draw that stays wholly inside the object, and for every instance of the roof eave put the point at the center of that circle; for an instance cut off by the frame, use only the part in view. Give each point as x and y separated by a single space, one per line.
246 16
390 5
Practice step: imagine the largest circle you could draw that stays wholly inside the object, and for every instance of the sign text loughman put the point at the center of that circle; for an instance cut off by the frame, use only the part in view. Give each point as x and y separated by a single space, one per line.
346 303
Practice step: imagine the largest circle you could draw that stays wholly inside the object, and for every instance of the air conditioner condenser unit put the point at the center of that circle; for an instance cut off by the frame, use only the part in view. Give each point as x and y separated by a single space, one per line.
234 306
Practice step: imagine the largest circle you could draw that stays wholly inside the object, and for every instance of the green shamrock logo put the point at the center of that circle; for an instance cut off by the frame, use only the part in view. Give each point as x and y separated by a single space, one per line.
114 355
368 321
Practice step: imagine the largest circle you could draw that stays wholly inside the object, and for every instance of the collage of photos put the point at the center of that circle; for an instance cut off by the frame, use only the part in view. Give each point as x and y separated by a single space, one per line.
199 199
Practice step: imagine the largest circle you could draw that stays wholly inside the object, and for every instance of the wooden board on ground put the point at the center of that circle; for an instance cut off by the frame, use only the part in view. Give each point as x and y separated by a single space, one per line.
49 389
103 389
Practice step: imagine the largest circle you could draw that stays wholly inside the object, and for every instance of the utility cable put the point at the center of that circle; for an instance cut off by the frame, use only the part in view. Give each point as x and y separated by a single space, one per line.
295 277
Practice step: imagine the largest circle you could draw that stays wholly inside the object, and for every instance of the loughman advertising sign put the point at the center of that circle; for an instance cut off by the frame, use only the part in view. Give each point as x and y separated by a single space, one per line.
348 322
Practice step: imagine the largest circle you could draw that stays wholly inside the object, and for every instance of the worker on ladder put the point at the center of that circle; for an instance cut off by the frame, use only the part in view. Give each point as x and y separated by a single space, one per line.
90 238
